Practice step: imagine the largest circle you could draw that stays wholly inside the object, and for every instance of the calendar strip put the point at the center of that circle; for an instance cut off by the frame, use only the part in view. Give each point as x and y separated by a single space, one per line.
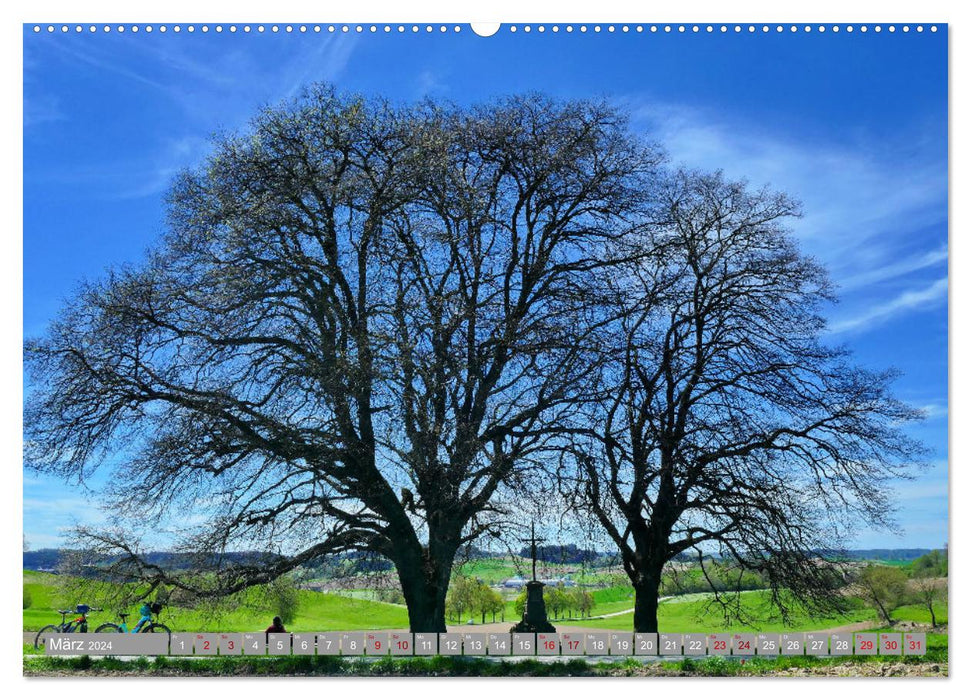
380 644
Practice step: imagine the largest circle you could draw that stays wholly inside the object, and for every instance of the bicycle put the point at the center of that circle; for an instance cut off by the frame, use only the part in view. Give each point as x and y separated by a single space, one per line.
78 624
147 625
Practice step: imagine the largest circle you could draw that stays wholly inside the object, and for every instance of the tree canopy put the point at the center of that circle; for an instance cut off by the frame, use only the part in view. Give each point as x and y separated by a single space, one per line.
363 321
725 424
368 325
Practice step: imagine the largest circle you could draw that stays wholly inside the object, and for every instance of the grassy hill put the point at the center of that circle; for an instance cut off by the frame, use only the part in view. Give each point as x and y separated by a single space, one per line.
329 611
316 611
695 613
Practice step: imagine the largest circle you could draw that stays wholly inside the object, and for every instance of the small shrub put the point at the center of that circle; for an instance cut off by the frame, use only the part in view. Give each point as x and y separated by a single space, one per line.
284 597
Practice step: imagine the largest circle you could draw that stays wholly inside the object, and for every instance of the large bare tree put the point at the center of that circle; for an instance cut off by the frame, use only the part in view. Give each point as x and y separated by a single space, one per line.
725 425
363 321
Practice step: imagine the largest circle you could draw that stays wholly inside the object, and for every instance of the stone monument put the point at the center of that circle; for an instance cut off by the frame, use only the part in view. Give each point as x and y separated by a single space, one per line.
534 614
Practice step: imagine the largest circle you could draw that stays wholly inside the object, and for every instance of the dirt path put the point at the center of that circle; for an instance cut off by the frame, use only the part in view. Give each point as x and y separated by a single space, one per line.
851 627
630 610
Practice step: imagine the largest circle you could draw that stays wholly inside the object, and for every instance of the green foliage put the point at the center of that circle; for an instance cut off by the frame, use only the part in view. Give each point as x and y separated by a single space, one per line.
561 602
884 587
582 601
520 604
113 596
41 588
390 595
284 598
621 595
932 564
28 598
929 592
469 595
490 570
489 602
556 601
715 577
327 611
461 597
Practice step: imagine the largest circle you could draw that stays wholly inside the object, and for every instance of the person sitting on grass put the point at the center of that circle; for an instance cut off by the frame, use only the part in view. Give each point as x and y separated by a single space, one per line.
277 626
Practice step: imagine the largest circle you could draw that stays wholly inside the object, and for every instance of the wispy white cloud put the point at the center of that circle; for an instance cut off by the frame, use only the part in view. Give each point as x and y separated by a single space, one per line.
325 62
156 174
910 300
931 490
208 92
895 269
128 177
430 82
850 195
868 205
922 512
64 508
41 109
933 411
96 56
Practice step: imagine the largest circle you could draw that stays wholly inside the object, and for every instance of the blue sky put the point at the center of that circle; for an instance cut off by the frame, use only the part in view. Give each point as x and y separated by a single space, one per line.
853 125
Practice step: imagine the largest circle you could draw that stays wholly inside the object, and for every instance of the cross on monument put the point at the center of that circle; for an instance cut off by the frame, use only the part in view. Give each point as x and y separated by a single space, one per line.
533 541
534 612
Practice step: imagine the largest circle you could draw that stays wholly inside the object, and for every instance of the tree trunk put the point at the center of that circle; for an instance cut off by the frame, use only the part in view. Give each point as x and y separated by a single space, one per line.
424 581
425 600
645 602
883 610
930 606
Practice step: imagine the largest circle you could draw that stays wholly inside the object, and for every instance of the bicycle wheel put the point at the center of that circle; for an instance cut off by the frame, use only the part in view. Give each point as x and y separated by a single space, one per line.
108 628
157 628
41 639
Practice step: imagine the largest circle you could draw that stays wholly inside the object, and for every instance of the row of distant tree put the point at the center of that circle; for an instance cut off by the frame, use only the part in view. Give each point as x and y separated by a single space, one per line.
468 596
360 563
568 554
561 602
923 582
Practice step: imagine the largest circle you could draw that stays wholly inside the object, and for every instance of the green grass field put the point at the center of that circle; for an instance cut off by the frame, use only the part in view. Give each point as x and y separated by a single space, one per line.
693 613
492 571
328 611
918 613
316 611
496 570
42 590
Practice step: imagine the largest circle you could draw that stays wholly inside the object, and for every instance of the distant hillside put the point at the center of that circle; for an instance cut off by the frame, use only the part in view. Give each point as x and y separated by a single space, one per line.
887 554
570 554
50 559
352 563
